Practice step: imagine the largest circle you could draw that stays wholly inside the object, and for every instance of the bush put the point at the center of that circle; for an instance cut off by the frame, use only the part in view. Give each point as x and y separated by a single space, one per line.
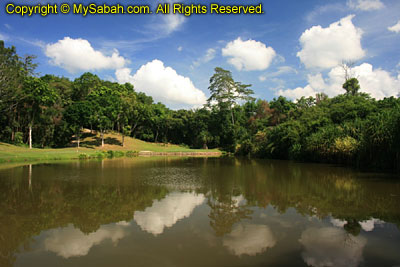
131 153
345 146
114 154
18 138
83 156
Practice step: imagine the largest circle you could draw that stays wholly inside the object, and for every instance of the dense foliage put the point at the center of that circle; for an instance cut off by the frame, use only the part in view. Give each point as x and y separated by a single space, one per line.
351 128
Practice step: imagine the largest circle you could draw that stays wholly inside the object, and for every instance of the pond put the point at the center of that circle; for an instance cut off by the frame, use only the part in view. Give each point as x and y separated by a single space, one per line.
197 212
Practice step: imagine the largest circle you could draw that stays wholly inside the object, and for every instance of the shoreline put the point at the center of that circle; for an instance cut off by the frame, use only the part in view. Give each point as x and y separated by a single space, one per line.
25 157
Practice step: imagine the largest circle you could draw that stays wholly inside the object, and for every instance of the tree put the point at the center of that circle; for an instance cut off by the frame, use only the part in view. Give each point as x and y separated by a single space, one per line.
128 102
76 115
347 67
106 105
226 92
13 71
351 86
84 85
37 95
282 108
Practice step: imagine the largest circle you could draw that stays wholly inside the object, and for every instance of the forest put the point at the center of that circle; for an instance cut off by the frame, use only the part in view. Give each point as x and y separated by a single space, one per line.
50 111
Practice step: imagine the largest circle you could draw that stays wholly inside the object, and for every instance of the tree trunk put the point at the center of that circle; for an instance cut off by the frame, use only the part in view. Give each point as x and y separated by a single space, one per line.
123 139
30 136
133 129
155 140
102 138
78 139
233 121
12 135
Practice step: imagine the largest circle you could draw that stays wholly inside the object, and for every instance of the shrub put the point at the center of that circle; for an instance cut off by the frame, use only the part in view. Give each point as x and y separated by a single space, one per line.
83 156
18 138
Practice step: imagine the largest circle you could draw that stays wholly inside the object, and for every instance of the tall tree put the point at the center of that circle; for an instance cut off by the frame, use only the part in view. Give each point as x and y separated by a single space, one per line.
106 105
76 115
37 95
226 92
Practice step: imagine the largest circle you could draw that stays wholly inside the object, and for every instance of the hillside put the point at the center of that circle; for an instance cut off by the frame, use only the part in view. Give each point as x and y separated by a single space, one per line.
90 145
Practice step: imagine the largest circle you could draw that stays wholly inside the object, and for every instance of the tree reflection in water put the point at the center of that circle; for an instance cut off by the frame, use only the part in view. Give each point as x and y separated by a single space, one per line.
81 199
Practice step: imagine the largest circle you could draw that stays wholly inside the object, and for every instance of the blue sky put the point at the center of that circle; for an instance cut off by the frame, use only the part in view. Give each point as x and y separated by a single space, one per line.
295 48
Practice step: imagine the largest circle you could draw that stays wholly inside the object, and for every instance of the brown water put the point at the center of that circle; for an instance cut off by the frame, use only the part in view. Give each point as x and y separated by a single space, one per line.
197 212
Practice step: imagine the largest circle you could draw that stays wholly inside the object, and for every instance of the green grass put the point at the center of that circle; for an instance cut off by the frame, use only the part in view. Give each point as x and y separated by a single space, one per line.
90 148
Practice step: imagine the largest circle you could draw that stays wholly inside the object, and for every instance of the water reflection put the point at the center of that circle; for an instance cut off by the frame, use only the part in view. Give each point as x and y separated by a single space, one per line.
166 212
370 224
249 239
230 211
330 246
70 242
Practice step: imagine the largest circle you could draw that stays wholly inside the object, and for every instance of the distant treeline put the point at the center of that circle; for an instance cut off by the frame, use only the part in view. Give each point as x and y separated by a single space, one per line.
351 128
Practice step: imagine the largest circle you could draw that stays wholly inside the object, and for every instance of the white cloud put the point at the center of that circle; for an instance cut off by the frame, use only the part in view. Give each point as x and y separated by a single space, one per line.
281 70
248 55
379 83
210 55
338 223
376 82
321 10
365 5
395 28
8 26
297 92
180 48
70 242
369 225
327 47
3 37
316 85
172 22
164 84
78 55
249 239
331 246
167 212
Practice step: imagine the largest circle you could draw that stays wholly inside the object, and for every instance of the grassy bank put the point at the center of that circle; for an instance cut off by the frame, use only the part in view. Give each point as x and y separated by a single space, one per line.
90 147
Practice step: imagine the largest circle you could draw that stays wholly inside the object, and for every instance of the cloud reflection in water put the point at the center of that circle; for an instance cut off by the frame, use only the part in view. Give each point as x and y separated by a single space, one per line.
249 239
330 246
166 212
70 242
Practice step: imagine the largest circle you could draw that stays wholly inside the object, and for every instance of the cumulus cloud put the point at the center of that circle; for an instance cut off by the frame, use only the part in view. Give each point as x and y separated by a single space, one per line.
2 37
330 246
395 28
376 82
316 84
325 48
365 5
70 242
164 84
248 55
167 212
249 239
78 55
210 55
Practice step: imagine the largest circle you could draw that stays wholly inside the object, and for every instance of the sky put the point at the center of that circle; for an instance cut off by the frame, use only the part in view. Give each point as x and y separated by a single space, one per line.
295 48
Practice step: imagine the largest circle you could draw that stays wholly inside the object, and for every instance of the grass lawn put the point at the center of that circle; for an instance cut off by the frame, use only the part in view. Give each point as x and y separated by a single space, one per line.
91 146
